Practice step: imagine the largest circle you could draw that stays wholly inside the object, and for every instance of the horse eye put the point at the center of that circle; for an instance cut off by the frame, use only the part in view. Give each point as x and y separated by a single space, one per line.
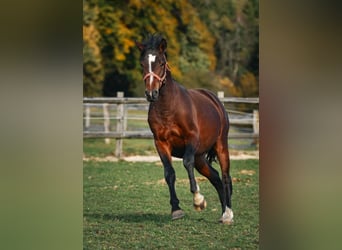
162 64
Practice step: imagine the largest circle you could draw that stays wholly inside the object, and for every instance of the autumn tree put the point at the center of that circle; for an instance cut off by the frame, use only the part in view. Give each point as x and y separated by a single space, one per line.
208 41
234 24
93 70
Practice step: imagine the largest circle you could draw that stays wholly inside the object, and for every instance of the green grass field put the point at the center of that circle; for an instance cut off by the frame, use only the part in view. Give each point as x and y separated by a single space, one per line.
126 206
97 147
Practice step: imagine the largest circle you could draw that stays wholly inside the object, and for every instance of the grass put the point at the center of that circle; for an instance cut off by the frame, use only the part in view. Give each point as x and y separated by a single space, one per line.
126 206
98 147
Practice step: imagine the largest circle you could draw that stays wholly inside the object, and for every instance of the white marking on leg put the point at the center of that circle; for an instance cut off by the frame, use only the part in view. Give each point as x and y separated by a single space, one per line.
198 198
151 59
227 217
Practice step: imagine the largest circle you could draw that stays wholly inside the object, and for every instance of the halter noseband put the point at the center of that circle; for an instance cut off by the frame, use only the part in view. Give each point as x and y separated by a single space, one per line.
160 79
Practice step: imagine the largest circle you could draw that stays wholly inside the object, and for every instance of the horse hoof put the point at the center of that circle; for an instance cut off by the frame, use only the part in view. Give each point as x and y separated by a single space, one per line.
227 217
201 206
226 222
177 214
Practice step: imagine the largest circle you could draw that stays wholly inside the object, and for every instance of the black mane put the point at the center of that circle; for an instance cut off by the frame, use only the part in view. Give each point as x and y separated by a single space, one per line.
152 41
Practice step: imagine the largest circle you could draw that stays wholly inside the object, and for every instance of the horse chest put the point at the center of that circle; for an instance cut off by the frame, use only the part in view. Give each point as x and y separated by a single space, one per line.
167 131
173 137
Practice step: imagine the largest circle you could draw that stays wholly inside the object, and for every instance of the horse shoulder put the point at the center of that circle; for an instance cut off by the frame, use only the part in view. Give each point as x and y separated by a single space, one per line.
161 125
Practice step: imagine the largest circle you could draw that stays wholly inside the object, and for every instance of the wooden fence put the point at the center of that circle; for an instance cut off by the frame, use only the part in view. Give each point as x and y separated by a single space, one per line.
122 104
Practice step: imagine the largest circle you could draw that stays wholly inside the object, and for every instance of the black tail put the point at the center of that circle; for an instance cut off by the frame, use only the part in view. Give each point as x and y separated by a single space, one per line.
211 155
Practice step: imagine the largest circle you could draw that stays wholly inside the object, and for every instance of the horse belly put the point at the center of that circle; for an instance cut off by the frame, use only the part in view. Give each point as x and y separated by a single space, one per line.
209 130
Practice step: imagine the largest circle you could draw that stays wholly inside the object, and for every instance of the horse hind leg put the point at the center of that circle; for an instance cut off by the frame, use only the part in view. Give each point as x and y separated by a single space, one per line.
223 157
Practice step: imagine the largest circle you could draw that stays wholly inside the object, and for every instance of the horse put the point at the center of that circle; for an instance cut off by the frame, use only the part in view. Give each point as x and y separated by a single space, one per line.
191 124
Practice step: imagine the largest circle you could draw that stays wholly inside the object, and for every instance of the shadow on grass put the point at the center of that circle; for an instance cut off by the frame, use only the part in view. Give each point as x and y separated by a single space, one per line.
132 217
140 217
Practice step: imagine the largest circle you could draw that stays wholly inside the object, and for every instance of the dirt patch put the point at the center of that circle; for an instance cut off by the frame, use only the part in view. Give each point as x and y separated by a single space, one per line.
234 155
182 181
247 172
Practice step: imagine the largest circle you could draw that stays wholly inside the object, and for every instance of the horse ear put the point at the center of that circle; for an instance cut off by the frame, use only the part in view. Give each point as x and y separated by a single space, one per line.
162 45
139 45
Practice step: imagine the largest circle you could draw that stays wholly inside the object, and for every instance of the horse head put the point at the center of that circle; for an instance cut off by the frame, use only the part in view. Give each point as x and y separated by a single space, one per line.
154 64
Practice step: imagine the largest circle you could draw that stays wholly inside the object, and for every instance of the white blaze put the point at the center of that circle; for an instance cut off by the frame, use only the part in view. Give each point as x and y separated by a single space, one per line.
151 59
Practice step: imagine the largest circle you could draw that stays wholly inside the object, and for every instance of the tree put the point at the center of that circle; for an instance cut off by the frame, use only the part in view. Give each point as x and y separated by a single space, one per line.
234 24
207 42
93 70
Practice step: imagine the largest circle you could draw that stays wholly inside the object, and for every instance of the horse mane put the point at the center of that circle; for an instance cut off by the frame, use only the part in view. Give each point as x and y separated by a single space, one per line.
152 41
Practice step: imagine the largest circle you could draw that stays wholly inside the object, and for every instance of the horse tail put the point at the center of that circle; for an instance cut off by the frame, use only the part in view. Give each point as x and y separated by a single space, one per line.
211 155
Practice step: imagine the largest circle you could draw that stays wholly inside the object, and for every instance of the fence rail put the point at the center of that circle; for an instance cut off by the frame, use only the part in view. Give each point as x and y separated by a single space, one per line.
130 100
149 135
121 105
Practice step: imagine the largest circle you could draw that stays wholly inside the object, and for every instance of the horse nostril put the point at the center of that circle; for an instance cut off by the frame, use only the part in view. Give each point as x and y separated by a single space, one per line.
147 93
155 93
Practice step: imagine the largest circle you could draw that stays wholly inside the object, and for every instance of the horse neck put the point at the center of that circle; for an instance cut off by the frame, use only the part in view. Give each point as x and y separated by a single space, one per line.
169 89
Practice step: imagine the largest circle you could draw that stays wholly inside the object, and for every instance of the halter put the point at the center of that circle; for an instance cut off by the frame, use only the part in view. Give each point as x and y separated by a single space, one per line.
160 79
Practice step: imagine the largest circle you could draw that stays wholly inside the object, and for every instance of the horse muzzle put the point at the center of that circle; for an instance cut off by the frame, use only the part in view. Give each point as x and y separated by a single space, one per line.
152 96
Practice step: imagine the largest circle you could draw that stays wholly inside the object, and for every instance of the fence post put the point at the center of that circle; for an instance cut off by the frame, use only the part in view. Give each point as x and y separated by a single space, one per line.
87 118
220 94
120 125
256 125
106 121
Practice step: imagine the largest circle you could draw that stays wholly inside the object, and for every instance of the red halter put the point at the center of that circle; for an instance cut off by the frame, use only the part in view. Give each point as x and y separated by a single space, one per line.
160 79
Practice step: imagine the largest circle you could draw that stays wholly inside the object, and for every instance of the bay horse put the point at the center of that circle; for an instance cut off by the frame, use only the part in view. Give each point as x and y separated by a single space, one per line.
189 124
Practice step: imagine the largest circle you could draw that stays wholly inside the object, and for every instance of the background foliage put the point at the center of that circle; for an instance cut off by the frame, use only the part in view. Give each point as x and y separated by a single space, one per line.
211 44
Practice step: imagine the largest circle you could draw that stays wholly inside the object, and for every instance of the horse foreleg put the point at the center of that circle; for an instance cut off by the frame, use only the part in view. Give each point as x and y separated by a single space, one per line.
199 201
170 178
205 169
189 164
